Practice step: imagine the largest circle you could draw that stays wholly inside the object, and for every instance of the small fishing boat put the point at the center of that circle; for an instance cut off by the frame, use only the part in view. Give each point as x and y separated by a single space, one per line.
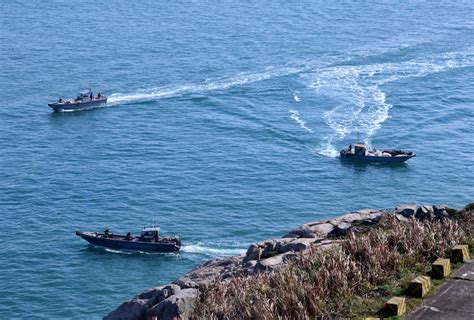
360 152
84 100
148 240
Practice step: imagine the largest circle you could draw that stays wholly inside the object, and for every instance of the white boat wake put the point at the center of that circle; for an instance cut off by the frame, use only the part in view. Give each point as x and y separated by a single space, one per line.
296 97
295 115
211 251
359 101
208 86
192 248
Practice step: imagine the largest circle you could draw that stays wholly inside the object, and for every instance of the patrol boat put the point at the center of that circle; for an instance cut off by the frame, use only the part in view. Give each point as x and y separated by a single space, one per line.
148 240
84 100
360 152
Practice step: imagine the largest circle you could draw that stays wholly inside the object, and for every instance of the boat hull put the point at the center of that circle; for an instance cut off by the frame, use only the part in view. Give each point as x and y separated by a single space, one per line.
122 244
73 106
376 159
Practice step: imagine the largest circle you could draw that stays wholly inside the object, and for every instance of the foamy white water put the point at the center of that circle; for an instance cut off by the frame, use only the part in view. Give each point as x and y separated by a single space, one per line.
360 102
209 85
211 251
296 97
295 115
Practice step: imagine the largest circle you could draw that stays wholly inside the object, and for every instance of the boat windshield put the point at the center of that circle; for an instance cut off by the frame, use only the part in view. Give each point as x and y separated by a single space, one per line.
83 94
150 232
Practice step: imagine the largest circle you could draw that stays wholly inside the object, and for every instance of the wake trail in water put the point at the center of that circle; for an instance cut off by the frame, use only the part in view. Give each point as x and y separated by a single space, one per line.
208 86
192 248
356 91
296 97
132 252
295 115
358 101
210 251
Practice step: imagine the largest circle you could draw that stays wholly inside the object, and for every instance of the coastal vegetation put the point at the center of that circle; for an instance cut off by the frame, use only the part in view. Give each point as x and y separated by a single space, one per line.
351 279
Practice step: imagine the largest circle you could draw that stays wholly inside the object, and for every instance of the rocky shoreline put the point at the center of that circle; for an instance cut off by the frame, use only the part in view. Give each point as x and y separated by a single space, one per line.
177 300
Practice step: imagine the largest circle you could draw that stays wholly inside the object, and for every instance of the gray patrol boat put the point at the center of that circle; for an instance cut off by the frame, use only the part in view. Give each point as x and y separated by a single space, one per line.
361 153
148 240
84 100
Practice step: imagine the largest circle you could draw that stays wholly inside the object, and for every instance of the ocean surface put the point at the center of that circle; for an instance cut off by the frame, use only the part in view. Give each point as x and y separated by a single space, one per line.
224 123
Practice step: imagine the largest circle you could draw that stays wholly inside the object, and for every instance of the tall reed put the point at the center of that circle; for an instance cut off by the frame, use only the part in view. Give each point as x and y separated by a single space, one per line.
339 282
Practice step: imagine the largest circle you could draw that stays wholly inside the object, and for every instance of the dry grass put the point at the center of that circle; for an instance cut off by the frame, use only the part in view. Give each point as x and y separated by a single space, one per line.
348 281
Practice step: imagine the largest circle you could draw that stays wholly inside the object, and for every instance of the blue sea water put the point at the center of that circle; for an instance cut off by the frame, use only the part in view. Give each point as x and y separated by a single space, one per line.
223 124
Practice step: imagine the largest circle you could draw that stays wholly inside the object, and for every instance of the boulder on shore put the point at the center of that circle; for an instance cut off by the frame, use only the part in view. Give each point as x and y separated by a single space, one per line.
342 229
137 308
425 213
311 230
406 210
178 306
440 211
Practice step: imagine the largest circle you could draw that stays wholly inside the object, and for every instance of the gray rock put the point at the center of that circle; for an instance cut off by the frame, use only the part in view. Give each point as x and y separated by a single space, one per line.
269 250
401 218
442 214
249 264
342 229
269 263
365 212
223 263
280 244
322 230
254 252
311 230
134 309
251 249
296 245
291 235
438 209
209 272
159 294
371 219
138 306
406 210
424 213
348 217
301 232
178 306
185 283
375 216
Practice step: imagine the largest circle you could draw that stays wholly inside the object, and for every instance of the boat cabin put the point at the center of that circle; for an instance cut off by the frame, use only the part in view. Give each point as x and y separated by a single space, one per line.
150 233
360 149
84 95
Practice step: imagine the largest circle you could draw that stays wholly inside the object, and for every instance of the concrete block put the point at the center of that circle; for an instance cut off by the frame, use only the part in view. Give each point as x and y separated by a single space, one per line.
396 306
419 286
460 253
441 268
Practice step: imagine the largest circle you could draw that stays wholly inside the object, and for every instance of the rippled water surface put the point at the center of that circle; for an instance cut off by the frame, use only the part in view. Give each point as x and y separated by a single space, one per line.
223 124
